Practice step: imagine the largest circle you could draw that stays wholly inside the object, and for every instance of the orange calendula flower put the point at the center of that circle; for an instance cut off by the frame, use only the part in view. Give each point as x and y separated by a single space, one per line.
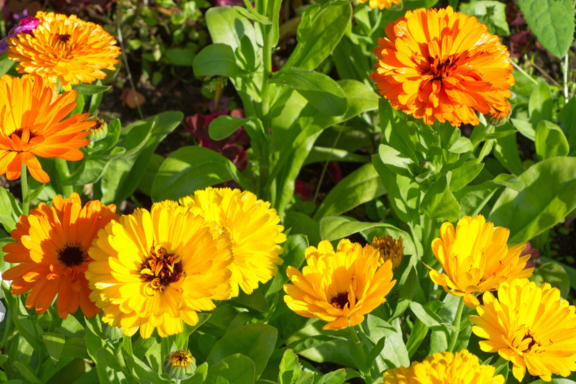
530 326
381 3
51 248
340 286
64 49
476 258
442 65
33 123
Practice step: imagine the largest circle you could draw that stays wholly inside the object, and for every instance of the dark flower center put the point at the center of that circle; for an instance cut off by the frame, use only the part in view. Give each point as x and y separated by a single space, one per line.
160 269
180 358
441 69
97 124
64 38
340 301
24 134
533 343
72 256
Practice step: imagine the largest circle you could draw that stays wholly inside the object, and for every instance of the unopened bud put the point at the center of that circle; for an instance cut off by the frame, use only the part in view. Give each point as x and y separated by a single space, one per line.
389 249
180 365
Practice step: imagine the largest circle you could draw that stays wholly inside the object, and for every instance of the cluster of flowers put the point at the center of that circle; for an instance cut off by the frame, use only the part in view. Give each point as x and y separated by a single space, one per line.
147 270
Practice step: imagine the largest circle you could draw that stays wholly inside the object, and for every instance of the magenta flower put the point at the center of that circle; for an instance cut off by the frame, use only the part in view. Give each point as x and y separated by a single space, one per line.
27 25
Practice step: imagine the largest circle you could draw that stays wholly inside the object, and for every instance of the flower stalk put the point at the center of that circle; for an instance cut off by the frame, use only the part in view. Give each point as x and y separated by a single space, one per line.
457 321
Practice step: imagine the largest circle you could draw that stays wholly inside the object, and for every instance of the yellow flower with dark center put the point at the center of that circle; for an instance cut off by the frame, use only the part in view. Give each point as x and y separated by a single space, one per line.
389 249
476 258
153 270
33 123
530 326
381 3
180 365
66 49
445 368
252 227
340 286
52 246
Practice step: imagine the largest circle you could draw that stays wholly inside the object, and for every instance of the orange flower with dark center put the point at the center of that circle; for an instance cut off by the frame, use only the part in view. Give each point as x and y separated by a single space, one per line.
33 123
443 65
51 250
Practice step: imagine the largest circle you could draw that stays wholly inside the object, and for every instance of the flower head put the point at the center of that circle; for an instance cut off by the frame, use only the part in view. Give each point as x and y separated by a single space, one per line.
389 249
475 258
445 368
530 326
27 26
253 229
153 270
98 128
52 251
64 49
180 365
381 3
443 65
340 286
33 123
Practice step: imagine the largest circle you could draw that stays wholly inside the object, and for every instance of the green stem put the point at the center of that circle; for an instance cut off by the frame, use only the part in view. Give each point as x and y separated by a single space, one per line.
326 167
358 355
64 172
457 321
24 185
566 64
523 72
485 146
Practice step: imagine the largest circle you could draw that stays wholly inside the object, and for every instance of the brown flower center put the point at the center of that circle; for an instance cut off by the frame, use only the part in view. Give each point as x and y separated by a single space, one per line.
24 134
533 343
161 269
64 38
340 300
72 255
441 69
180 358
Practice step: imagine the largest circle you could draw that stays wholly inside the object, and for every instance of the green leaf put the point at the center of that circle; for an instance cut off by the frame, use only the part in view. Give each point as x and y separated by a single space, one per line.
552 21
550 141
463 175
509 181
425 315
395 352
26 372
145 185
90 89
319 31
256 341
189 169
506 151
357 188
439 203
227 26
223 126
251 14
490 13
181 56
302 224
540 103
320 90
10 210
54 344
525 128
293 256
255 300
289 368
567 119
549 195
216 60
462 145
395 161
553 274
199 376
6 65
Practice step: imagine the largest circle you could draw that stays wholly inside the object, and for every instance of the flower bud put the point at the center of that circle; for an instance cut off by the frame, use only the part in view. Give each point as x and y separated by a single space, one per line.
99 129
180 365
389 249
112 333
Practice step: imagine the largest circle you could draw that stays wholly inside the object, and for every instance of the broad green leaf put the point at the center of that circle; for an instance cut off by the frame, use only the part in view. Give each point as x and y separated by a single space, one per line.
26 372
552 21
303 225
181 56
251 14
227 26
145 185
320 30
189 169
427 316
9 210
549 195
567 118
550 141
462 145
293 256
553 274
6 65
395 353
216 60
90 89
335 377
439 203
540 104
223 126
509 181
395 161
525 128
255 341
463 175
199 376
54 344
255 300
289 368
322 154
506 151
320 90
357 188
490 13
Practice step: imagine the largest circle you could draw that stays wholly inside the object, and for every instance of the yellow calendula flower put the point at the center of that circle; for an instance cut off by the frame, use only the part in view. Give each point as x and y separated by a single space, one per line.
153 270
252 227
476 259
340 286
381 3
445 368
530 326
389 249
66 49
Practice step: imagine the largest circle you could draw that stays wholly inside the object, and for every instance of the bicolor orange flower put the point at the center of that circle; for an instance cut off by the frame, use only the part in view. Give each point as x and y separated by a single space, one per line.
381 3
64 49
476 258
33 123
530 326
154 270
442 65
340 286
51 248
